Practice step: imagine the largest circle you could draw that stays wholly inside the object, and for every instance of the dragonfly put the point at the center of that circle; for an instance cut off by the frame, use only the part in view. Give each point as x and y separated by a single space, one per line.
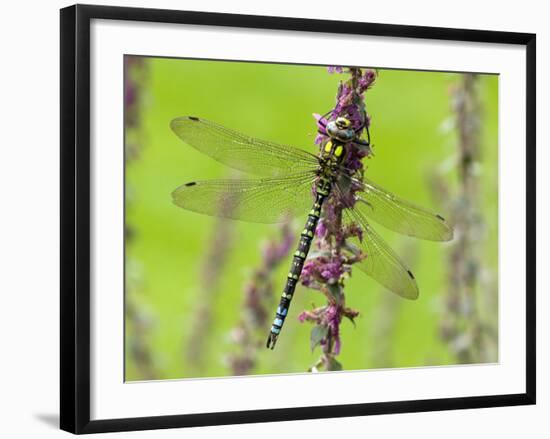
289 182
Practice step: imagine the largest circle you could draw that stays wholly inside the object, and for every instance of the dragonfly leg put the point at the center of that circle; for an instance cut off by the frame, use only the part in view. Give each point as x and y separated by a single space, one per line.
368 134
362 144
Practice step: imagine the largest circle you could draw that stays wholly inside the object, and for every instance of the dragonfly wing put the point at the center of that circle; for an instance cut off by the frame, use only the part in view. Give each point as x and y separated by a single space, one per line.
380 262
400 215
242 152
268 200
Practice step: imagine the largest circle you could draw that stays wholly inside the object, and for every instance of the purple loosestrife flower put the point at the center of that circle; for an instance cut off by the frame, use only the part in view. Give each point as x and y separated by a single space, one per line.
332 270
323 270
306 316
366 81
333 321
321 124
335 69
321 230
307 273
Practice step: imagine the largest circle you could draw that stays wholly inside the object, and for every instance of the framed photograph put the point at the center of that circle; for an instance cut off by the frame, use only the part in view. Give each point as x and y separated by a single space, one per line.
269 219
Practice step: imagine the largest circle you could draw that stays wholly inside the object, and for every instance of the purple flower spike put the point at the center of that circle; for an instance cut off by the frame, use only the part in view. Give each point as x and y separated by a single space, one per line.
328 268
366 80
335 69
258 292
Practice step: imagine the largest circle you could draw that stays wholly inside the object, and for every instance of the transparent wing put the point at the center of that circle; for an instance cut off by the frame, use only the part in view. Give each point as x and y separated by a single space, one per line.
380 262
400 215
267 200
242 152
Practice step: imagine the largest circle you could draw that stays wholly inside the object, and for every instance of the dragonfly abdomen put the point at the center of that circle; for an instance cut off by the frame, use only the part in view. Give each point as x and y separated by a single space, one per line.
300 255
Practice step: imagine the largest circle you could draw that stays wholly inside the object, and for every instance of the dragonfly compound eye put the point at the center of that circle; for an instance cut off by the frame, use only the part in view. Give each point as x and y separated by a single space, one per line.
342 123
342 134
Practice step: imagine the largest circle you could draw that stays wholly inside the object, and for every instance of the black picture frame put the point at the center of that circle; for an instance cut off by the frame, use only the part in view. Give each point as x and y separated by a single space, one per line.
76 210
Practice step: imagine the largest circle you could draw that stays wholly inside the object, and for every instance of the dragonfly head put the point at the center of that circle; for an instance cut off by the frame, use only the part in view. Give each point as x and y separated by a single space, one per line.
340 129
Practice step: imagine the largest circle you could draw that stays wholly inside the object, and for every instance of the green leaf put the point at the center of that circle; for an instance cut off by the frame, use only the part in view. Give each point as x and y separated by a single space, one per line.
318 333
334 365
336 292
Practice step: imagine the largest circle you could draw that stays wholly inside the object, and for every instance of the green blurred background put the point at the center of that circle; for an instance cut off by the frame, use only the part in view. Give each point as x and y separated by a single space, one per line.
168 248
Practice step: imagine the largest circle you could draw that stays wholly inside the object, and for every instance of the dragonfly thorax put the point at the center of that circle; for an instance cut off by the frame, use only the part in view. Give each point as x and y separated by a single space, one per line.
332 152
333 149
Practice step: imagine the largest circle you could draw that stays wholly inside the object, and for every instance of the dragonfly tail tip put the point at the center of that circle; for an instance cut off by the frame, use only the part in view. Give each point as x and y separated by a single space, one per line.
271 340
